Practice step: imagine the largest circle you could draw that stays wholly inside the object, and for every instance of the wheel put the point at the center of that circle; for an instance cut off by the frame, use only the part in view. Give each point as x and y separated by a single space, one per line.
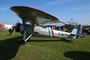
22 42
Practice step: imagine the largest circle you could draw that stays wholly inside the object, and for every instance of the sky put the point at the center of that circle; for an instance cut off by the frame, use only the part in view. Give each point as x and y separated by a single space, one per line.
64 10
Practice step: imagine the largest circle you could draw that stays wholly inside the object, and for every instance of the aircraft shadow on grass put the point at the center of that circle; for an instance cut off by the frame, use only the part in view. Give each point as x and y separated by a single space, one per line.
63 40
78 55
9 48
45 40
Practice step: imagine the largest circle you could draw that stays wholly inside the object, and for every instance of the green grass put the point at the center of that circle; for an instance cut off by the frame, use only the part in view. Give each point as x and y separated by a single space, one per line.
43 48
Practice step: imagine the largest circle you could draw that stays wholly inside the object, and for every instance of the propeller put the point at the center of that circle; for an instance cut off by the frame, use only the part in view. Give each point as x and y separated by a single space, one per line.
14 27
11 30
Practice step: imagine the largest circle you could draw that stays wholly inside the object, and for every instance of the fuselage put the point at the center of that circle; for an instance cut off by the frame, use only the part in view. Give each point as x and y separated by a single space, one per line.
49 31
45 31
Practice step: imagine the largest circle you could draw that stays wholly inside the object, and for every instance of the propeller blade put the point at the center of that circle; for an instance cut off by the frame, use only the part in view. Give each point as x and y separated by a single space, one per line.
11 30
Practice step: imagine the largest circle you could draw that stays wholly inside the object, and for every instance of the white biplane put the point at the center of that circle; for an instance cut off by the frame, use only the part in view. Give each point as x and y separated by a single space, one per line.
37 18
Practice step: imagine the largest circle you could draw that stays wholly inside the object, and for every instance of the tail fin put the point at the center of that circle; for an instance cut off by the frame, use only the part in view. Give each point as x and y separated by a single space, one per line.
78 30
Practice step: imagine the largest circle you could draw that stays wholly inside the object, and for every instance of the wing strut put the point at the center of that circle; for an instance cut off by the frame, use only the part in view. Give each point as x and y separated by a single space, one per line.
26 36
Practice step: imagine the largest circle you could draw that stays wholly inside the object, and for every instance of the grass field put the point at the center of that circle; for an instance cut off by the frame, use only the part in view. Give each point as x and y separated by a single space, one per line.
43 48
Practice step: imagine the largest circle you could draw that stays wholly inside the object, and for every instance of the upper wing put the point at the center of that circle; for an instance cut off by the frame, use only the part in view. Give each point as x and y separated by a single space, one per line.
33 15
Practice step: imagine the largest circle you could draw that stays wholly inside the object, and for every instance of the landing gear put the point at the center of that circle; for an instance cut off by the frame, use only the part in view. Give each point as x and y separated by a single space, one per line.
22 42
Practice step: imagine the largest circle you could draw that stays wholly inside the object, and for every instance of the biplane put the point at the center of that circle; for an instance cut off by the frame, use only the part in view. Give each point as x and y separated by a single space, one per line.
35 19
